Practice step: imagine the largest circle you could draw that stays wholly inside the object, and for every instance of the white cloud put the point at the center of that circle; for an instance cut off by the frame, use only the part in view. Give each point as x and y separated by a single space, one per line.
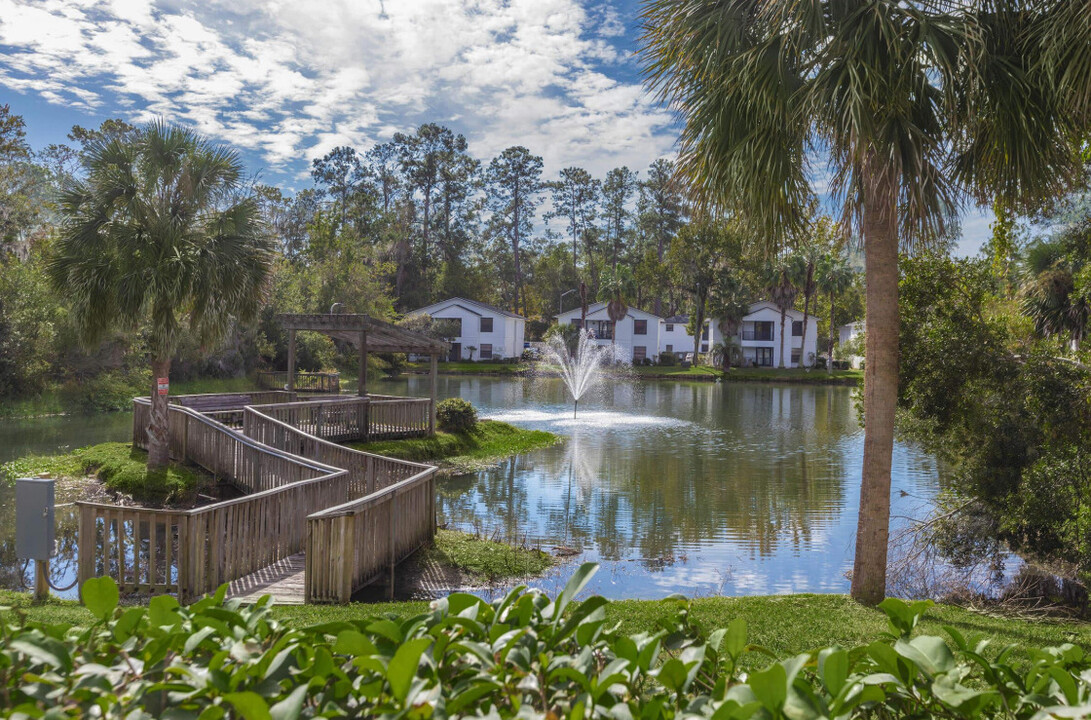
290 80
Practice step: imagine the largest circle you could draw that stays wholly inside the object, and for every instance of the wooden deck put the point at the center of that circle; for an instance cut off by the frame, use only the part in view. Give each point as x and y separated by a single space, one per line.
318 520
284 580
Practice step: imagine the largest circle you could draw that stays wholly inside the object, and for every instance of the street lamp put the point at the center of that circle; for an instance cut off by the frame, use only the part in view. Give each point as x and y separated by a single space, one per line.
560 300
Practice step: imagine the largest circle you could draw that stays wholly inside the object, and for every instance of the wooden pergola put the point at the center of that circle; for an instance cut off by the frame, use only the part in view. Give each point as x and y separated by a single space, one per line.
368 335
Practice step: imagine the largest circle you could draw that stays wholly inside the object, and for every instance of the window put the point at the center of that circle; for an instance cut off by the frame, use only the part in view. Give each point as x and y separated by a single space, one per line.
601 329
797 328
486 324
486 351
576 322
704 347
640 327
670 348
797 353
704 333
758 356
639 353
760 330
670 327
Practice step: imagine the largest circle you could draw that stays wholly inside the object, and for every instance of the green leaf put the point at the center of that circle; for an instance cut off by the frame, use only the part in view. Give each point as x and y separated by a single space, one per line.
43 650
575 584
250 705
290 707
736 638
353 642
928 652
101 596
163 610
770 686
833 668
403 666
673 675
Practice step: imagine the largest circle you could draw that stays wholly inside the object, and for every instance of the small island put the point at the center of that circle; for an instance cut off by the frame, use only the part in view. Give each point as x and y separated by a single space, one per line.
463 443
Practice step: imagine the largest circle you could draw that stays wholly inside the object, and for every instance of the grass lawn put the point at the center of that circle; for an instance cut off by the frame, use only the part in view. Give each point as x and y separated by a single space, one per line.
785 624
121 468
817 377
487 442
675 371
473 368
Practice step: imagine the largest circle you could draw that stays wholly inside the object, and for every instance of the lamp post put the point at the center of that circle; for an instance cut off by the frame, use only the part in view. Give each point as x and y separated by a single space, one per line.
560 300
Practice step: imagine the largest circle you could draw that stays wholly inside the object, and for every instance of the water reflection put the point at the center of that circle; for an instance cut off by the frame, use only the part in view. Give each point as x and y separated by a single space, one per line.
695 488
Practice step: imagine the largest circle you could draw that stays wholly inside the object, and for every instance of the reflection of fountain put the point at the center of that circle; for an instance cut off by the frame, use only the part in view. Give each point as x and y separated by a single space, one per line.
580 370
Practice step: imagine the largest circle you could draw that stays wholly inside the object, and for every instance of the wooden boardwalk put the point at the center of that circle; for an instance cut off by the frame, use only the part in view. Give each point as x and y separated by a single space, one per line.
284 580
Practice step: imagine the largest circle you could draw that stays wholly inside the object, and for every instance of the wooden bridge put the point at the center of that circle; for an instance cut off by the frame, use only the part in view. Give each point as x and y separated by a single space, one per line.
316 520
354 515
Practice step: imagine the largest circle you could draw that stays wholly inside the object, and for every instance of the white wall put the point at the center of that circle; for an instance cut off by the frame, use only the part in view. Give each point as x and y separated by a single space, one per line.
506 337
624 338
765 313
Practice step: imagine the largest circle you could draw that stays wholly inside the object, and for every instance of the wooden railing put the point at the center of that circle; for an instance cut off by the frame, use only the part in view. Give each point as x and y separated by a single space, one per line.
367 472
399 418
192 552
298 484
350 419
304 381
351 546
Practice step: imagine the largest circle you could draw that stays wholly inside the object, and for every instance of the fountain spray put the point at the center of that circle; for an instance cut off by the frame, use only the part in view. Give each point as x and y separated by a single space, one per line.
580 370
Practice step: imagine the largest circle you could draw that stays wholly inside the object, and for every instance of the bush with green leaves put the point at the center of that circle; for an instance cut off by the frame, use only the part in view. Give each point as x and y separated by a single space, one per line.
523 655
456 415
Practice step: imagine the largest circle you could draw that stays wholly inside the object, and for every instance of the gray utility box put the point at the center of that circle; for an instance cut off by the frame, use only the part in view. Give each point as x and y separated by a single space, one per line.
34 518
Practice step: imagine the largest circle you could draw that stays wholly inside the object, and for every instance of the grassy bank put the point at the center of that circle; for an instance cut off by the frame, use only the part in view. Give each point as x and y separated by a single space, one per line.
661 372
487 442
785 624
120 467
484 560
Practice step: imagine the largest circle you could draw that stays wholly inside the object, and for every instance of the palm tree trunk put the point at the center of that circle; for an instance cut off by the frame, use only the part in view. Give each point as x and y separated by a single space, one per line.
803 335
829 350
880 233
158 419
781 363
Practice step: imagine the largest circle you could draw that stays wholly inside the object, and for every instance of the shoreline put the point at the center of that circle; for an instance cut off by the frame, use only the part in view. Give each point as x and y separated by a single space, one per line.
819 378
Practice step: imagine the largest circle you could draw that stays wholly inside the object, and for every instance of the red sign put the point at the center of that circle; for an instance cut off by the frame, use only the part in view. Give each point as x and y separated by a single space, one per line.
163 384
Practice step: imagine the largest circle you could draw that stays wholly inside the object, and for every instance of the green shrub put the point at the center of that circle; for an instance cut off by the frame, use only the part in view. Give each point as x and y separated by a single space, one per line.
520 655
455 415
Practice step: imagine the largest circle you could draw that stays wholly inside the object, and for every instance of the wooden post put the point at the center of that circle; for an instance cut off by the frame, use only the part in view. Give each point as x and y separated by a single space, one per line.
435 391
41 580
361 387
291 360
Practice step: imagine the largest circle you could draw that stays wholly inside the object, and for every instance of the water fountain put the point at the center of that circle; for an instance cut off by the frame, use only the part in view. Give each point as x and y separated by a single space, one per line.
580 370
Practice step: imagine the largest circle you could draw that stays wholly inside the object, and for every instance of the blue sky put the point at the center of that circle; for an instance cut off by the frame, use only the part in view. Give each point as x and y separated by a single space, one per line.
287 80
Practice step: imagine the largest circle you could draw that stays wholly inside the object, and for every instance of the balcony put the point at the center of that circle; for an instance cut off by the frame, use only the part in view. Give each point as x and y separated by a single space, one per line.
766 335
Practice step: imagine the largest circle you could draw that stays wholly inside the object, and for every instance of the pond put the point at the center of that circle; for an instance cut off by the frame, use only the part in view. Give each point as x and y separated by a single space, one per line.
694 488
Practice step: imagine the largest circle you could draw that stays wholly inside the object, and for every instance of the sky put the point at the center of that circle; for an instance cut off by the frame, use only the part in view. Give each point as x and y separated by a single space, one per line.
285 81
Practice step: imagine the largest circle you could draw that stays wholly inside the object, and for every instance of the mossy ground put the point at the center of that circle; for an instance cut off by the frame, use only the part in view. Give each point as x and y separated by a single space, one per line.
121 468
486 443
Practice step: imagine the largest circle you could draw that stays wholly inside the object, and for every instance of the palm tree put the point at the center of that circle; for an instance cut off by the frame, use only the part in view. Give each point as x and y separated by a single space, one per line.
915 105
782 291
1051 292
616 283
833 277
157 233
730 303
804 261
